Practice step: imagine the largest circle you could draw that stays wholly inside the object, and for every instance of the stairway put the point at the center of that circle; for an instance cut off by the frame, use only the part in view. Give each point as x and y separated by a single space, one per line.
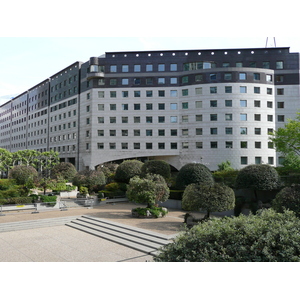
40 223
142 240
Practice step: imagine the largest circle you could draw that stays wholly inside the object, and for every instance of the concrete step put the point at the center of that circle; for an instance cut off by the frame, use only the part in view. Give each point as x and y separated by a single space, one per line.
23 225
142 240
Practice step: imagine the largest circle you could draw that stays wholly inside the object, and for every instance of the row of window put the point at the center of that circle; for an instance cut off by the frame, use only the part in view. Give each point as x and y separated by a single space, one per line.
173 67
185 92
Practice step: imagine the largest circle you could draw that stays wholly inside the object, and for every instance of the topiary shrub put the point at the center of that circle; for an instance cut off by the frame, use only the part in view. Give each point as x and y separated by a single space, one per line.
149 190
265 237
64 170
127 170
193 173
92 179
210 197
157 167
288 198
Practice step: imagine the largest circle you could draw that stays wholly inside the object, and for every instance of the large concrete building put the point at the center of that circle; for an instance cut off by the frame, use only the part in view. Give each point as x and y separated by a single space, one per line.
205 106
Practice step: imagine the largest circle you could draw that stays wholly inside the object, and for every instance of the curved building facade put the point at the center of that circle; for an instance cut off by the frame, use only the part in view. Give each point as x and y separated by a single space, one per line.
204 106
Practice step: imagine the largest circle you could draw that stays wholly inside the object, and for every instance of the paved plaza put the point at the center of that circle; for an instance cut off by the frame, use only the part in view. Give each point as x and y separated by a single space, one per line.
60 243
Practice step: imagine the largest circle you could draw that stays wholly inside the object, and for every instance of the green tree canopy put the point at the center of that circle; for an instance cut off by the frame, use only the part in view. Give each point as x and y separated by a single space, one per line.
157 167
128 169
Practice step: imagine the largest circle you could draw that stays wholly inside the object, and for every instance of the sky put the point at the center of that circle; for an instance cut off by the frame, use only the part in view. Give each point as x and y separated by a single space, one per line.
27 61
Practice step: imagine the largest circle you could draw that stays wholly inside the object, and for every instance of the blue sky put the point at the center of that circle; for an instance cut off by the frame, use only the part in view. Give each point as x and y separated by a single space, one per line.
26 61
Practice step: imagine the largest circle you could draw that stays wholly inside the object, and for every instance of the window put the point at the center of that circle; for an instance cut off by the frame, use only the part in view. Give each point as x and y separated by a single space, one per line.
244 145
214 117
125 68
185 132
185 92
113 68
124 132
137 94
228 89
199 145
173 80
100 132
266 65
149 68
161 80
161 146
136 146
149 146
173 146
100 146
124 106
243 130
149 106
199 77
244 160
269 78
173 132
148 119
213 76
137 119
257 160
198 118
228 144
113 82
100 106
228 103
256 76
125 81
185 105
243 103
256 103
124 146
269 104
173 106
185 145
112 119
257 131
161 119
280 105
161 132
242 76
281 118
137 68
173 119
199 131
101 94
112 133
173 67
213 103
149 81
148 132
137 81
161 67
257 117
113 106
279 65
161 93
269 91
149 94
137 106
213 145
270 118
185 119
256 90
227 76
279 78
280 92
228 130
136 132
243 89
214 131
271 160
228 117
173 93
112 146
198 104
213 90
257 145
100 120
161 106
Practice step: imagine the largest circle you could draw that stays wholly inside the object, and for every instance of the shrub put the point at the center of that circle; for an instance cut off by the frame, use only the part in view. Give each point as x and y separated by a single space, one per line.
6 184
127 170
228 177
149 212
265 237
288 198
193 173
24 175
157 167
149 190
210 197
93 180
64 170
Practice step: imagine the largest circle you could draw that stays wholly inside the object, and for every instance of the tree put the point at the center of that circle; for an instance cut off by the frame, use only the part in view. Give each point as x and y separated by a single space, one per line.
257 177
288 198
24 175
265 237
5 160
193 173
157 167
225 166
63 170
150 189
127 170
91 179
287 139
210 197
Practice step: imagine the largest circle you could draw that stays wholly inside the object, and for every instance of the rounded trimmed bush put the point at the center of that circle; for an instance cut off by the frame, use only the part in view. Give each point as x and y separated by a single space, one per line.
193 173
24 175
288 198
128 169
257 177
159 167
210 197
63 170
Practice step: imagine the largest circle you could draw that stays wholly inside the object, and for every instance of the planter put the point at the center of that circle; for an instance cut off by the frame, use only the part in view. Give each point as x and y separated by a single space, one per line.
149 213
